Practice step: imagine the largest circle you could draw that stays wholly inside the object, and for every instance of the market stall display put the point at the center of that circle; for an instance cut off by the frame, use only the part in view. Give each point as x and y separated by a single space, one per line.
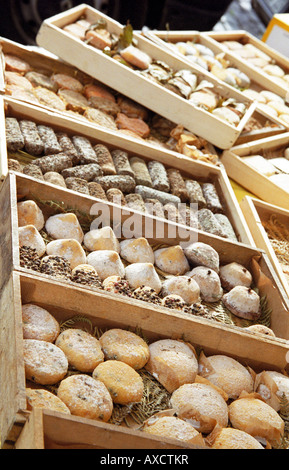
130 319
261 167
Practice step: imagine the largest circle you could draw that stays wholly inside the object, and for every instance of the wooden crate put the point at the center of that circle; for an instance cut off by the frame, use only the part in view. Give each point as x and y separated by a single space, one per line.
245 37
190 168
104 310
256 213
271 125
261 186
17 188
52 37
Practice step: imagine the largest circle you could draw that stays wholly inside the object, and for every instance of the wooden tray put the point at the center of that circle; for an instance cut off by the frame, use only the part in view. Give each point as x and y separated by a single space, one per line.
261 186
43 61
45 429
272 125
52 37
257 213
244 38
16 188
191 168
257 351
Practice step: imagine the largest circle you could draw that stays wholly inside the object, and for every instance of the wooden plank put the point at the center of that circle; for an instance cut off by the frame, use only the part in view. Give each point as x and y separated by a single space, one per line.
32 434
194 169
144 91
256 212
12 375
261 186
46 429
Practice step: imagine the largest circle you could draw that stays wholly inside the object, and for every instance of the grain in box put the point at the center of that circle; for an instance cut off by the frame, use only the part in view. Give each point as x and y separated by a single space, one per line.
265 62
262 168
144 81
198 174
269 227
203 51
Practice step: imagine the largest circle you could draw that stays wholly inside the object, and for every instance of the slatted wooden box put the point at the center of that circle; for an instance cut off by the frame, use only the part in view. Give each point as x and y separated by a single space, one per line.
259 215
95 63
258 184
51 201
70 430
271 125
190 168
47 430
47 64
245 37
104 311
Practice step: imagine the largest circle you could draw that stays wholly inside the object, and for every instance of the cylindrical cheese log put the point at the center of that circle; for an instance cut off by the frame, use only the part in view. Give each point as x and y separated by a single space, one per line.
49 139
33 170
135 202
151 193
104 159
123 182
14 137
121 163
159 176
226 226
87 172
32 139
96 190
116 196
141 173
177 184
195 193
14 165
77 184
54 178
84 149
67 146
58 162
155 208
210 224
172 214
212 198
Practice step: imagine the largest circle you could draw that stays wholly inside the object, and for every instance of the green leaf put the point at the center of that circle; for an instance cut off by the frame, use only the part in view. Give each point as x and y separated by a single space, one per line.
126 38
